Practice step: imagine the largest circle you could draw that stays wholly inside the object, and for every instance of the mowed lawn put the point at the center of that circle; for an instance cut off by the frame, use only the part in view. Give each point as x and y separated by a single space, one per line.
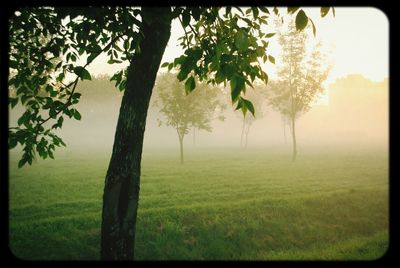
226 204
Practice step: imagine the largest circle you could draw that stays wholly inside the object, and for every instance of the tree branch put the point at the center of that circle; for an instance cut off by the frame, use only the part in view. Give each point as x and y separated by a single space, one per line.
187 38
75 83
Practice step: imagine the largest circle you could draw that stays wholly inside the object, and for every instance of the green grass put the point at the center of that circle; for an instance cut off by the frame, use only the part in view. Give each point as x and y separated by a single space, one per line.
221 204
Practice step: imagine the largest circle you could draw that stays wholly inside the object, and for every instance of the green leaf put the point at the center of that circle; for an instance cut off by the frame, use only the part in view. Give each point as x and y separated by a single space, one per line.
271 59
183 73
264 9
219 77
76 95
240 104
60 121
77 115
228 70
12 143
126 44
13 64
60 77
24 98
185 18
190 84
62 142
269 35
53 93
13 101
52 113
324 11
112 61
255 12
265 58
313 27
301 20
22 162
21 120
237 85
81 51
73 57
241 41
292 10
165 64
92 57
82 73
249 105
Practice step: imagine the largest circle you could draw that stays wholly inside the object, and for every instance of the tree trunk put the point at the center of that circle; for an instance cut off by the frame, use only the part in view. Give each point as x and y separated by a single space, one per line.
181 148
294 140
122 182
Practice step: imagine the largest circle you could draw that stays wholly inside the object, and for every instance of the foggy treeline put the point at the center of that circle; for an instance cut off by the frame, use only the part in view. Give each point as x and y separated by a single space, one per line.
356 113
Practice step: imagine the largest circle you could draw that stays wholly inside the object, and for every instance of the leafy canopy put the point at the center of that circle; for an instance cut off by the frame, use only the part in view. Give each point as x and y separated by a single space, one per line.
49 44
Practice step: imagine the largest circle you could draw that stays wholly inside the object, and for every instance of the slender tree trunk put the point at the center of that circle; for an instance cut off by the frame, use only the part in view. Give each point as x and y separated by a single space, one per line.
181 148
122 182
294 139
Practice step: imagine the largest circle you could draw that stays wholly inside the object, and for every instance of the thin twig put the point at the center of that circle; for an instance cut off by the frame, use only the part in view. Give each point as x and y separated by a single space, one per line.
183 27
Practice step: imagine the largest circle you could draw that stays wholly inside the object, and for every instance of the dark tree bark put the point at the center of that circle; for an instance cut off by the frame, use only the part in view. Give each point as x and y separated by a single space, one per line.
122 182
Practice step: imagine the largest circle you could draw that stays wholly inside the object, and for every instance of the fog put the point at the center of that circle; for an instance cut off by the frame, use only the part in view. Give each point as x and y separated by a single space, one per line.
355 115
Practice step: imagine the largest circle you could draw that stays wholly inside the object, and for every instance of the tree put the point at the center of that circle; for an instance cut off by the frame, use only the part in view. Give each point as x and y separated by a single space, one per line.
185 111
301 75
221 46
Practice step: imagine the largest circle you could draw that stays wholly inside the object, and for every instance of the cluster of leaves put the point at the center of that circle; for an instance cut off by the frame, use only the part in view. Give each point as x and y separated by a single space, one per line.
45 46
227 46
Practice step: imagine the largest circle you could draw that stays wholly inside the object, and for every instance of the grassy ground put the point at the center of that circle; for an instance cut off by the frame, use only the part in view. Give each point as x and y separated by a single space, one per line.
221 204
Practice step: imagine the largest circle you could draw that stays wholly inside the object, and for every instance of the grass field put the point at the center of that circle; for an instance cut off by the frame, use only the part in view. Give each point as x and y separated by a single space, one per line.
221 204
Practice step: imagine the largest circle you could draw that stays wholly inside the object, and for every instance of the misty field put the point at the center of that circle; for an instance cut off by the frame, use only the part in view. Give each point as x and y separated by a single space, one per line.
225 204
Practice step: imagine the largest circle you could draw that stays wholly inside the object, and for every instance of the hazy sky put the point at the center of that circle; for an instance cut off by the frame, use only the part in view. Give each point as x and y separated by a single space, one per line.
357 38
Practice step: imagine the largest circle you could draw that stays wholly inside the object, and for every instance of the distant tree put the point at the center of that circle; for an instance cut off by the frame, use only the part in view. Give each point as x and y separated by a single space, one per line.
184 111
300 77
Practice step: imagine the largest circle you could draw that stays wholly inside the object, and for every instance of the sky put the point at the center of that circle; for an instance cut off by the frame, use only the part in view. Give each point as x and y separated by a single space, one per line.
356 39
